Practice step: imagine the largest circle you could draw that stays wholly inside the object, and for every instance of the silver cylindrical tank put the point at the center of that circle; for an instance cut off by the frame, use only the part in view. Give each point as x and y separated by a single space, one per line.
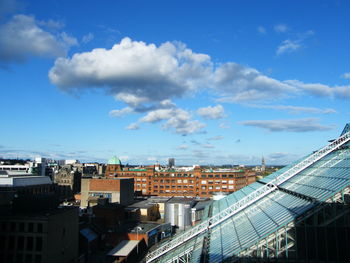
178 214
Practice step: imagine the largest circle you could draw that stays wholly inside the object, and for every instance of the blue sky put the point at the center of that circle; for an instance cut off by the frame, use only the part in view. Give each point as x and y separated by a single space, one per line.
206 82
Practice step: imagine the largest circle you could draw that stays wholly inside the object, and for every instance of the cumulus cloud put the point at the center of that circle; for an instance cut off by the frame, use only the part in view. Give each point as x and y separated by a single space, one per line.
177 119
134 68
321 90
288 46
22 37
132 126
292 45
297 125
147 78
216 112
239 83
121 112
295 109
281 28
142 74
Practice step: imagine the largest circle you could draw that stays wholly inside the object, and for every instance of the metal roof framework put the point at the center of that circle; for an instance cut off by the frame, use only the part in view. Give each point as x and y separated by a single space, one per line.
249 199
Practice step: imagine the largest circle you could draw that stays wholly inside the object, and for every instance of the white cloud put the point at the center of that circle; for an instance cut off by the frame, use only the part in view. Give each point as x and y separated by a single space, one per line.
144 76
281 28
346 75
22 37
68 41
177 119
294 109
148 77
216 112
121 112
87 38
132 126
134 68
297 125
288 46
238 83
321 90
292 45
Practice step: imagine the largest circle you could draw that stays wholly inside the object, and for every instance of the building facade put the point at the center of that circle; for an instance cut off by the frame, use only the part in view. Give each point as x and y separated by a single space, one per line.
116 190
49 236
189 181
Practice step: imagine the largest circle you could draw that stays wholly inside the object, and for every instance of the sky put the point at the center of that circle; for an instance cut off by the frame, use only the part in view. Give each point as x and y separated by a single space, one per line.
205 82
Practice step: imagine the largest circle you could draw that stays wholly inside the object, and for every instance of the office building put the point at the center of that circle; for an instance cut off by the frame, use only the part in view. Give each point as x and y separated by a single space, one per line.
182 181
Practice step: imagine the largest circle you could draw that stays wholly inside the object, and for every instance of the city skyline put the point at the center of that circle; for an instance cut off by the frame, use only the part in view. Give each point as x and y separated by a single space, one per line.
210 83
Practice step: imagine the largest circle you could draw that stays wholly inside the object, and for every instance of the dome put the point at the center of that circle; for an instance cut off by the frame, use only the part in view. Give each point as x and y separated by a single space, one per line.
114 160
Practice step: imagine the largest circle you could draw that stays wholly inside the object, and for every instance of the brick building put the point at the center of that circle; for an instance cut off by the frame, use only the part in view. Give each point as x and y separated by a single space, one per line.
185 181
116 190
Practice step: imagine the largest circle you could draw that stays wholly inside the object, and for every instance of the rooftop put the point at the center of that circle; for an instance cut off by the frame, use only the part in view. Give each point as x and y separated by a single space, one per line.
10 180
114 160
124 248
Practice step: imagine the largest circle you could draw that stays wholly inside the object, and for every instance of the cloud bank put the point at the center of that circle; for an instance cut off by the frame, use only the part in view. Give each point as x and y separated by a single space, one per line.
23 37
298 125
147 78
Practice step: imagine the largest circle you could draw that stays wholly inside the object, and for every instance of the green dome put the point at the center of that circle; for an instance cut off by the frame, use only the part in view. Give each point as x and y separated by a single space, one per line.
114 160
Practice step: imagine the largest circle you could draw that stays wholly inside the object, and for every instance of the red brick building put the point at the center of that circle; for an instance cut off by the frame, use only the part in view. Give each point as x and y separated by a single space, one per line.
187 181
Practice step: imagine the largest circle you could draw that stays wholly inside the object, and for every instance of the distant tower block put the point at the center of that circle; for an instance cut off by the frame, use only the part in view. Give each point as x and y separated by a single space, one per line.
171 162
263 166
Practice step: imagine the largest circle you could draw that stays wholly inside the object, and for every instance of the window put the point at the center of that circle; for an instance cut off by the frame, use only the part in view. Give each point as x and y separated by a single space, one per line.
20 242
204 182
230 187
231 182
30 227
39 244
185 181
37 258
179 181
29 243
40 228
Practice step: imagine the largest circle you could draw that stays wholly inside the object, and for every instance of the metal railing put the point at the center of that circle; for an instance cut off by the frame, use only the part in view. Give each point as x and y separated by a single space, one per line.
247 200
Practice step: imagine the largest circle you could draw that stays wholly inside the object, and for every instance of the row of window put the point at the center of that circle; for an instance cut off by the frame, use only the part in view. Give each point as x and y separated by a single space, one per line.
21 243
21 227
20 258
